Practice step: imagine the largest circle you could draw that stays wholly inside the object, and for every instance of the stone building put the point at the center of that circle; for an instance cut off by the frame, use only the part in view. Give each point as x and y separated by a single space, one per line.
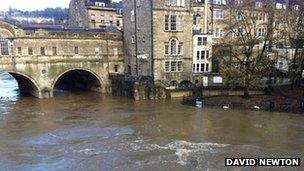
158 40
176 40
43 57
210 18
94 14
202 42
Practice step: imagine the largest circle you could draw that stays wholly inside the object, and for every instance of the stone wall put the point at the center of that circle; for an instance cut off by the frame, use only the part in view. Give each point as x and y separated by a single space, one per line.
77 13
138 27
137 88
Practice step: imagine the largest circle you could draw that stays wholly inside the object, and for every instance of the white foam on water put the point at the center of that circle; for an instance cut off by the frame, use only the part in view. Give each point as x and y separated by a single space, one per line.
182 155
184 149
87 151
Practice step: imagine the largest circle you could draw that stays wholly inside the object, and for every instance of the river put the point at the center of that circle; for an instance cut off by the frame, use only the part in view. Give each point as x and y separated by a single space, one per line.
90 131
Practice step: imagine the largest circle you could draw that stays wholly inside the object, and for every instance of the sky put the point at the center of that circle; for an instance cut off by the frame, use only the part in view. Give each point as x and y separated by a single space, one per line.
33 4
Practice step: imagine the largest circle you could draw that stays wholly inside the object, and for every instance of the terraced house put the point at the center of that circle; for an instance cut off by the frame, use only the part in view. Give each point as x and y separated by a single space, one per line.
95 13
177 40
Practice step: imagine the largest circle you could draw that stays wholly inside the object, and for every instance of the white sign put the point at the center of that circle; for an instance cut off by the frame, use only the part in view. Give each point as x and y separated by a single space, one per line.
205 81
144 56
217 80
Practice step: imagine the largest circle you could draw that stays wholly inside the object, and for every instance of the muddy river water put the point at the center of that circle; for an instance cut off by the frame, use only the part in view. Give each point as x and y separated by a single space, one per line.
90 131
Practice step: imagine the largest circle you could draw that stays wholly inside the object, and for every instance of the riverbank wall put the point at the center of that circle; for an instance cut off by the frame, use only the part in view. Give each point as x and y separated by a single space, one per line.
180 93
136 87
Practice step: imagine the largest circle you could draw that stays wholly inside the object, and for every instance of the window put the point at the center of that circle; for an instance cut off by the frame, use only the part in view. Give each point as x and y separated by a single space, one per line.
180 49
197 55
42 51
100 4
115 68
202 55
54 50
173 22
194 20
19 51
167 49
216 33
173 66
167 22
167 66
180 3
76 50
218 14
4 46
118 23
179 66
261 31
199 41
30 51
173 47
280 6
204 41
261 16
202 67
219 2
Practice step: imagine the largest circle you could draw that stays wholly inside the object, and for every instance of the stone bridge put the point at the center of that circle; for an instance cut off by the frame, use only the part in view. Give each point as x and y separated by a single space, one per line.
41 76
45 59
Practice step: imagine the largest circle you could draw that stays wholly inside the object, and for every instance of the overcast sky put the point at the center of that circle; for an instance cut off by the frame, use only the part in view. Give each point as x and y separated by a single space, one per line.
33 4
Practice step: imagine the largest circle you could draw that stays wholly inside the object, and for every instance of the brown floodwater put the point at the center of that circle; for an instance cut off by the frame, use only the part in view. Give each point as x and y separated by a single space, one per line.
90 131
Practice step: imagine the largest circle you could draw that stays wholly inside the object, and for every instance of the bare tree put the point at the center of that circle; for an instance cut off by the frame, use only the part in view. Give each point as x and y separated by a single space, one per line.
293 33
248 40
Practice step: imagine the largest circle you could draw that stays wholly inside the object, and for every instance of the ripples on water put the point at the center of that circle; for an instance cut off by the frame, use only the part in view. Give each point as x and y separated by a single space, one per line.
89 131
8 88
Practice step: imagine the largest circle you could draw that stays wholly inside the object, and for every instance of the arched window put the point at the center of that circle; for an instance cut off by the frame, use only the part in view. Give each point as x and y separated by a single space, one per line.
173 47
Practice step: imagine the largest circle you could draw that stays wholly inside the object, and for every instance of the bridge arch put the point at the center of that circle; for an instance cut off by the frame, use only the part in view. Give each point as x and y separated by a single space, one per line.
78 79
27 85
